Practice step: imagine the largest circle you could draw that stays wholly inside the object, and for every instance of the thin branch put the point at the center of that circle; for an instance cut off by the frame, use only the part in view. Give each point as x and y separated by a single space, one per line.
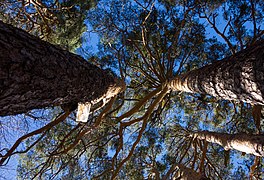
172 168
89 130
59 119
212 23
145 118
253 167
139 104
201 168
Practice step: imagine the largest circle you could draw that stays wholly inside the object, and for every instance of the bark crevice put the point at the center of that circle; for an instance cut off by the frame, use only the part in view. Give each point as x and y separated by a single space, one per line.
36 74
239 77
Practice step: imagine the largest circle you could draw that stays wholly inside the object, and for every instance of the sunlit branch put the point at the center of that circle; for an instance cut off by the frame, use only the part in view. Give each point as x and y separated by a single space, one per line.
148 76
139 104
149 66
88 130
119 106
253 167
175 41
159 66
145 118
160 73
152 57
150 11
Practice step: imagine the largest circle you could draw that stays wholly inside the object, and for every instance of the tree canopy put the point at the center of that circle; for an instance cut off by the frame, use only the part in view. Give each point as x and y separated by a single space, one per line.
150 130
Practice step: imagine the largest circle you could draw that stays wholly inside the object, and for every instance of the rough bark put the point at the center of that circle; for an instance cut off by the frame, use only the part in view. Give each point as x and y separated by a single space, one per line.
250 144
35 74
239 77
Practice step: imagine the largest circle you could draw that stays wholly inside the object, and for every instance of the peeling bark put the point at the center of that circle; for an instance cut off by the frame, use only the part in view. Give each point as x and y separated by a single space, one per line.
250 144
36 74
239 77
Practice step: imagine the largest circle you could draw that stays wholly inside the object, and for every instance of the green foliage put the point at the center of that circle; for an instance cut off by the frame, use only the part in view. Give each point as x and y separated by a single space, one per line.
148 43
59 22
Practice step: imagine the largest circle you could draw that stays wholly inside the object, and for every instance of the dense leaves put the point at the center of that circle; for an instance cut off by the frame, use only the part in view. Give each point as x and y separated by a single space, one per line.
60 22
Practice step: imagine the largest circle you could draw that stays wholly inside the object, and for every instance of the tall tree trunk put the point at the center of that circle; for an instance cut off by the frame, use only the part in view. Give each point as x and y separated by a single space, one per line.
35 74
239 77
250 144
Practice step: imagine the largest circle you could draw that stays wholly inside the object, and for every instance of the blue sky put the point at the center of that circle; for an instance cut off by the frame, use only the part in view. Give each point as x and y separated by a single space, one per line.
91 41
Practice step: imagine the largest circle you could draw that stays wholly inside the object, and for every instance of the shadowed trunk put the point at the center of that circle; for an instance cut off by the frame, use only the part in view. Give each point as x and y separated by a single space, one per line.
239 77
250 144
35 74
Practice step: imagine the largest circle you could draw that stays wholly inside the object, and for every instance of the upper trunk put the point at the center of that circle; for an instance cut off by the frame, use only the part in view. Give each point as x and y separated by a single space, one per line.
35 74
239 77
250 144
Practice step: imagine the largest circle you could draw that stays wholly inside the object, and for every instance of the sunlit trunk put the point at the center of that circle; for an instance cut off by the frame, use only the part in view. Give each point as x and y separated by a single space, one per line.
250 144
239 77
35 74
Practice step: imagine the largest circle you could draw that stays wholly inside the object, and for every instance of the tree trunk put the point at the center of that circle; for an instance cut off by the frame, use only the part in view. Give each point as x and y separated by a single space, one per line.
250 144
239 77
35 74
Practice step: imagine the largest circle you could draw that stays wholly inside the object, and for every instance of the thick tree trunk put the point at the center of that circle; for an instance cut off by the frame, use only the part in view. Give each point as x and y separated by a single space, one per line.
250 144
35 74
239 77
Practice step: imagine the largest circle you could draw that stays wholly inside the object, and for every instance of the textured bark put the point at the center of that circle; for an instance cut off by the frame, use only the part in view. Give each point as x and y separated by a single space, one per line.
239 77
250 144
35 74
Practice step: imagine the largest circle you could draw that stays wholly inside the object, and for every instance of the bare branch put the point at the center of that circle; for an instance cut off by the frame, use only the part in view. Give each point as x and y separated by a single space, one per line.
59 119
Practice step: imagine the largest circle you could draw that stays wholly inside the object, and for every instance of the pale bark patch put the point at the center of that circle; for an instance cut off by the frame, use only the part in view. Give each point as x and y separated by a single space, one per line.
250 144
